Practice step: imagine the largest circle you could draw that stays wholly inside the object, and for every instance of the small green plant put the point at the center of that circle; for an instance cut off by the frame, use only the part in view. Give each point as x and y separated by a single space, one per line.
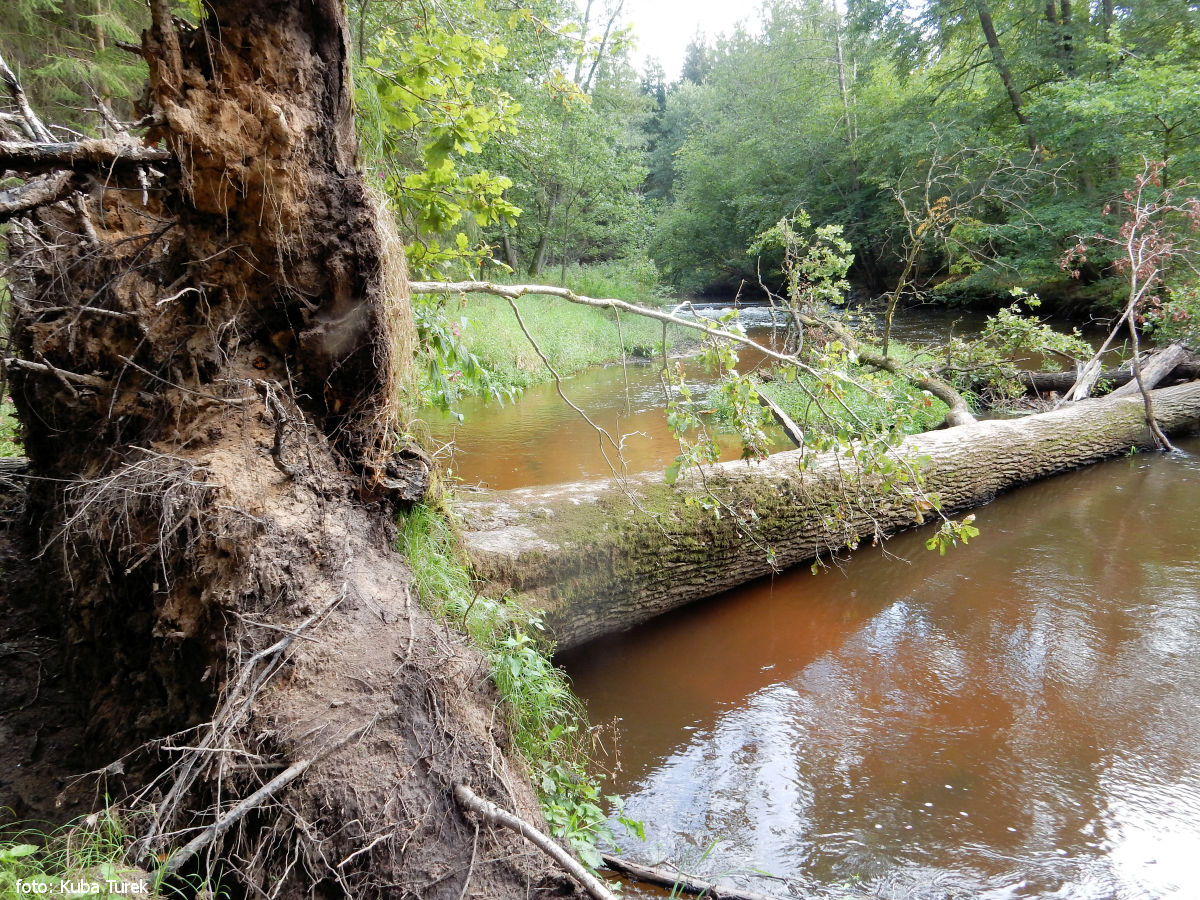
84 858
10 443
869 402
547 721
951 533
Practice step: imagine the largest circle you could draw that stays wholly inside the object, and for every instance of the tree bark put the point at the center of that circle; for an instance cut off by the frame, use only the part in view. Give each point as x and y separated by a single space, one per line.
510 252
91 155
1156 369
29 196
1107 11
208 380
1000 61
601 557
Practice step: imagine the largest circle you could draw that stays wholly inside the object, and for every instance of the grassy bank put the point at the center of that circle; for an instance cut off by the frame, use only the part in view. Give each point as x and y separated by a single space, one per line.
635 280
572 337
547 721
483 331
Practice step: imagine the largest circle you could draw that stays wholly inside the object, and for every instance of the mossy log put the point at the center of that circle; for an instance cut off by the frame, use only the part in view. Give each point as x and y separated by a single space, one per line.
603 556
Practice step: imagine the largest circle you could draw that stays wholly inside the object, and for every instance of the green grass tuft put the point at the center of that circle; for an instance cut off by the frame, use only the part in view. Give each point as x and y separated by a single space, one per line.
547 721
86 856
10 443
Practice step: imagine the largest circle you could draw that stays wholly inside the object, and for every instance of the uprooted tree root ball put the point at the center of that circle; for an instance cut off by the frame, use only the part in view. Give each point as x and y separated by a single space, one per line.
212 347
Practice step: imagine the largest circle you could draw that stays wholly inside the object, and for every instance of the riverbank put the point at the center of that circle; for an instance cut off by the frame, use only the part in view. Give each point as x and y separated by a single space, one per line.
570 337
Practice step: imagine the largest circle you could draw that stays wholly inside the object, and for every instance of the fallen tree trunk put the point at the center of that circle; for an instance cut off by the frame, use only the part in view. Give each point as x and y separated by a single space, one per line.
603 556
89 155
794 432
1186 368
1155 370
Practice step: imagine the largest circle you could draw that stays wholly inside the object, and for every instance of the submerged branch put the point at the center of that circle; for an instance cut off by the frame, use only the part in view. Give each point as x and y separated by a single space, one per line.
678 882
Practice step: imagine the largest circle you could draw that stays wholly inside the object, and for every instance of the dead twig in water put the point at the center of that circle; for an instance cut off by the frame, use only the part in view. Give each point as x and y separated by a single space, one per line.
678 882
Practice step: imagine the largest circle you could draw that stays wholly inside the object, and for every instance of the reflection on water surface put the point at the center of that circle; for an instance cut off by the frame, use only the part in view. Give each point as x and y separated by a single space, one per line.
1019 718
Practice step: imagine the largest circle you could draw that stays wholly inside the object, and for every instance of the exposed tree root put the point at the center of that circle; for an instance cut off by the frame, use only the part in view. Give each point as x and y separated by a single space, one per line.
468 799
209 375
679 882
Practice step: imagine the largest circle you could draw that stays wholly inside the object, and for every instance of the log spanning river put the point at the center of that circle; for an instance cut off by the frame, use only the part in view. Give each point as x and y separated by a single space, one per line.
1017 719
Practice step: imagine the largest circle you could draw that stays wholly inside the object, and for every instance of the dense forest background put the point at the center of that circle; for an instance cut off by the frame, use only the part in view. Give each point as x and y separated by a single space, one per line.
964 146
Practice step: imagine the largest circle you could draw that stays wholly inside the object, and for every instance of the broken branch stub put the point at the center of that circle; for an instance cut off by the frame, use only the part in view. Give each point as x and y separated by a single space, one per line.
85 156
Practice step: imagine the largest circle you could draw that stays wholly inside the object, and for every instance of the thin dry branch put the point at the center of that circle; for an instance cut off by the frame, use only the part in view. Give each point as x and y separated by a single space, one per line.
86 155
29 196
30 122
678 882
90 381
558 385
1143 385
516 291
492 813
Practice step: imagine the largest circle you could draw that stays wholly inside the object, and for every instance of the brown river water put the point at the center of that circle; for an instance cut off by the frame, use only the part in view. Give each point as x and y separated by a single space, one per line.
1017 719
